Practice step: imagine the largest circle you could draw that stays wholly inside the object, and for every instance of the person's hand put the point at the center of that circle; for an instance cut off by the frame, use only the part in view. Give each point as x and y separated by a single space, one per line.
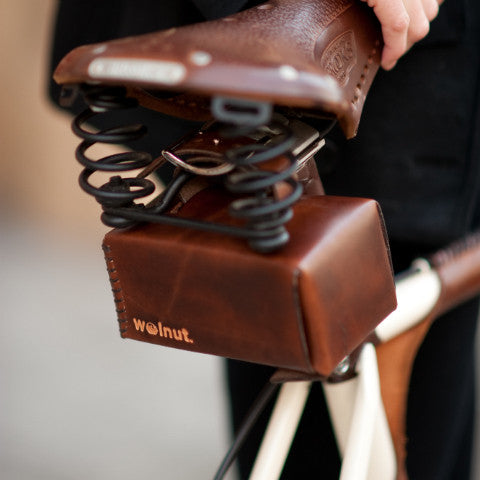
404 22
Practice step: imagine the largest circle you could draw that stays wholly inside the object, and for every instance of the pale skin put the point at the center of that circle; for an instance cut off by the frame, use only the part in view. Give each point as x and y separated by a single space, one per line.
404 22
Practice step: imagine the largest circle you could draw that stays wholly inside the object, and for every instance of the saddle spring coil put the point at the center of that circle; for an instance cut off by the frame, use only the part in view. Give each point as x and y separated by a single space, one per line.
259 205
118 192
263 211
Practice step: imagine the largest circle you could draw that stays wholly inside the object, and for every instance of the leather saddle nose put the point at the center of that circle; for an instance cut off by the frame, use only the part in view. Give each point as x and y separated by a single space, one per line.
318 56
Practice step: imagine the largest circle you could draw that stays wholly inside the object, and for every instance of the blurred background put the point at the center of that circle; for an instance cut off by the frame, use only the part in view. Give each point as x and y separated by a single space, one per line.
76 401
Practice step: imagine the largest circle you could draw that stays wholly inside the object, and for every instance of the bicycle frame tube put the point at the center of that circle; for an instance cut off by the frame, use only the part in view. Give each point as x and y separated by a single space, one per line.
417 292
358 418
360 424
280 431
355 405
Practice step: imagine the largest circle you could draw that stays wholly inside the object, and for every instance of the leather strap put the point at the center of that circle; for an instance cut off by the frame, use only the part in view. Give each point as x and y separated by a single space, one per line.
395 362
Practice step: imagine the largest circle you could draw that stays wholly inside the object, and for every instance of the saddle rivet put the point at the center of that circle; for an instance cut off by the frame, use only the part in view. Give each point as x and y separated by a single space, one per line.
200 58
99 49
288 73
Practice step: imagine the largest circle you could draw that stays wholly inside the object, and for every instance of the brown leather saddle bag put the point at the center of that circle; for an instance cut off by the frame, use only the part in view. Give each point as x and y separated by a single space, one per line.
302 308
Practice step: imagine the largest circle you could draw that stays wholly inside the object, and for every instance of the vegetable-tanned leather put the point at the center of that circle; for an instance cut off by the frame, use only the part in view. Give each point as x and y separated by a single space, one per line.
303 308
319 56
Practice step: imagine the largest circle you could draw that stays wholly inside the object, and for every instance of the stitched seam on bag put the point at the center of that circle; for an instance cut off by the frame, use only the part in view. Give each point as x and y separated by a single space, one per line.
118 298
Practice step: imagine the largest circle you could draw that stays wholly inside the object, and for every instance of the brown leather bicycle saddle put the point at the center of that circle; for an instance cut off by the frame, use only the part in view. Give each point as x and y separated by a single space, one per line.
317 56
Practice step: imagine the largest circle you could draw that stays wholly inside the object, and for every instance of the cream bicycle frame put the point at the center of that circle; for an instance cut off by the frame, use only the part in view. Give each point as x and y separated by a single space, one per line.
355 406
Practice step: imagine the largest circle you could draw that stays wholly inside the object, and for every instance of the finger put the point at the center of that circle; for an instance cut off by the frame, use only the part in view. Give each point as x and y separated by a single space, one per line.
431 7
395 21
419 24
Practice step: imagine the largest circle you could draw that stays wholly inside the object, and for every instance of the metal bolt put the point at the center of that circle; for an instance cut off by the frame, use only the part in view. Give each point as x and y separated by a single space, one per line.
343 367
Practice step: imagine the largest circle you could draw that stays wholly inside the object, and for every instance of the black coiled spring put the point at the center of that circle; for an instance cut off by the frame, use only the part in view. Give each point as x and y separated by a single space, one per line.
264 210
118 192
